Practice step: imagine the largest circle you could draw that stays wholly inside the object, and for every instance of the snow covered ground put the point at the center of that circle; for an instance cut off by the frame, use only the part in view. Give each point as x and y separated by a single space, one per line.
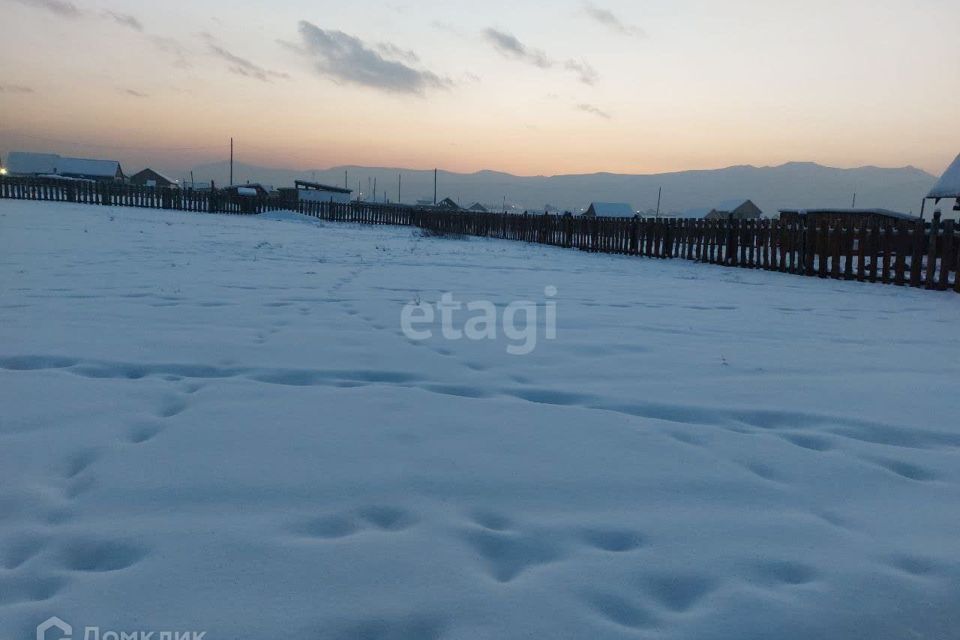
214 423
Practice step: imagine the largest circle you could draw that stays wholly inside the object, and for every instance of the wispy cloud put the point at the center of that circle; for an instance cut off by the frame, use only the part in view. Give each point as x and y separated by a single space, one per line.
15 88
592 110
242 66
508 45
135 93
124 20
511 47
62 8
586 73
173 48
347 59
610 20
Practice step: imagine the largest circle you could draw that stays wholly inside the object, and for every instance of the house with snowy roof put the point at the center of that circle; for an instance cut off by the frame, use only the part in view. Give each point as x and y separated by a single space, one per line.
738 209
948 186
150 178
609 210
25 163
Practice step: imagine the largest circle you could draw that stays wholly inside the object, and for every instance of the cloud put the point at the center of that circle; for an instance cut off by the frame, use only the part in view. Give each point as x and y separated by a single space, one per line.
135 93
15 88
612 22
592 110
124 20
172 47
511 47
587 74
242 66
62 8
347 59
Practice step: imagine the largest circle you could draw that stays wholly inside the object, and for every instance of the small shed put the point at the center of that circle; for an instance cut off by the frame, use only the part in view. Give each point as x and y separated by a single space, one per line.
250 189
477 207
304 191
150 178
609 210
848 216
739 209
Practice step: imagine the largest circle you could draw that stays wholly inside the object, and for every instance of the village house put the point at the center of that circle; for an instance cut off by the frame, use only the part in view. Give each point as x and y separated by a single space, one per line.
150 178
738 209
948 186
609 210
24 163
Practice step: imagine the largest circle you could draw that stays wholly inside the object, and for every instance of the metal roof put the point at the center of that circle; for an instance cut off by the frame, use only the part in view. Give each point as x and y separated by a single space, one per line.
303 184
612 210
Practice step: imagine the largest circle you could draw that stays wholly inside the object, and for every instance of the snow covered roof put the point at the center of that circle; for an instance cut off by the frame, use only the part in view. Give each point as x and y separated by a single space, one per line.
949 184
24 162
731 205
88 167
32 163
611 210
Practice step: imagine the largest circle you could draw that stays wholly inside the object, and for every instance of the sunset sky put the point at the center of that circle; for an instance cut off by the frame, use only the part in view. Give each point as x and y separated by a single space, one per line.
522 86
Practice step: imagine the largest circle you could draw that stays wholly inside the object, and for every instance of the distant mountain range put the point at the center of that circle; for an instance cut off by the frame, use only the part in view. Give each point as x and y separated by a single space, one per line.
792 185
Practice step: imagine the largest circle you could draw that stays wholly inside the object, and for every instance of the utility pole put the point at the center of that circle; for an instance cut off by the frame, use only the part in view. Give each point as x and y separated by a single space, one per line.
345 183
434 187
504 203
374 189
659 193
399 185
231 160
854 206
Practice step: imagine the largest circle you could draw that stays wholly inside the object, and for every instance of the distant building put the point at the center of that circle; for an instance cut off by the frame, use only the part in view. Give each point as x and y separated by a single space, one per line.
304 191
849 216
739 209
609 210
479 208
24 163
150 178
449 204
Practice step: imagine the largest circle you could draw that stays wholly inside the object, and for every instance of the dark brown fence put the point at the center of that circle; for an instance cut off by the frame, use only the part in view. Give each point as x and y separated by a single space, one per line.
899 252
125 195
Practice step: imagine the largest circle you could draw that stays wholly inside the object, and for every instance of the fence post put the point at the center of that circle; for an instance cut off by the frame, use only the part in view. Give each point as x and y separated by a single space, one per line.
932 251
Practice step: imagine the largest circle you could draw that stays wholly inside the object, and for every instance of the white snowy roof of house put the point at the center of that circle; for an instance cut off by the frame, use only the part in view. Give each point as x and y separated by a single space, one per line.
32 163
50 163
949 185
88 167
612 210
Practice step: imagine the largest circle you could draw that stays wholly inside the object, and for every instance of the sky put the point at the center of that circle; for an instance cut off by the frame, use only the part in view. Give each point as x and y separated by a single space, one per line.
528 87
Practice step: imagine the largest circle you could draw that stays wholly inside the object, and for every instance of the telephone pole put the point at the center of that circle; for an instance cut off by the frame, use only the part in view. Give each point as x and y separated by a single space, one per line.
399 185
659 193
374 189
231 160
434 187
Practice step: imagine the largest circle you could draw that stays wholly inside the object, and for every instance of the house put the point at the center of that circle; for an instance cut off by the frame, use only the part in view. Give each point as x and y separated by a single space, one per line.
738 209
848 216
449 204
949 185
477 207
24 163
150 178
609 210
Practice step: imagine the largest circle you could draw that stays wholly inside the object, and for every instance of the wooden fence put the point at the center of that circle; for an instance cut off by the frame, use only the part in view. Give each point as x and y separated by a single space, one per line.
903 252
125 195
